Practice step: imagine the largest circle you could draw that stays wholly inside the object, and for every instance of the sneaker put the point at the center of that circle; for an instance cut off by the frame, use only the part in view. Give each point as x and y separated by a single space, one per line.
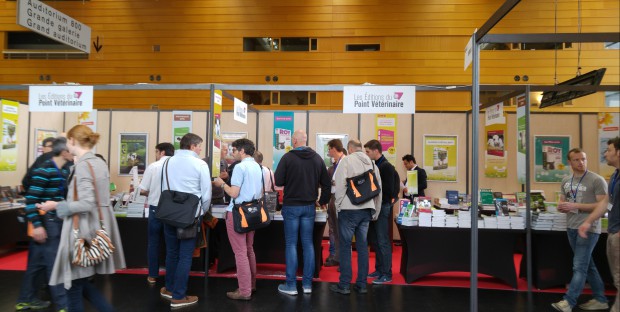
33 305
151 280
331 263
165 293
236 295
562 306
361 289
307 289
285 289
337 289
374 274
180 303
594 305
382 280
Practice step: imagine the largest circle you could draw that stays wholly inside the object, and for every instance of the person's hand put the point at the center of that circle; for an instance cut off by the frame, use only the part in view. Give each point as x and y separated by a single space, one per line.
583 229
324 207
223 175
218 182
47 206
39 235
406 191
566 207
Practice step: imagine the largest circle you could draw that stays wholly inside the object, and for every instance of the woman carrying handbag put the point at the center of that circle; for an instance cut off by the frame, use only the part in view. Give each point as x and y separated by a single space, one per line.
85 213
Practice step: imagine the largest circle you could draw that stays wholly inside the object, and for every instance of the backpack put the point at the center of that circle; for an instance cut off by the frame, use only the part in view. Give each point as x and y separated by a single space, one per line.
363 187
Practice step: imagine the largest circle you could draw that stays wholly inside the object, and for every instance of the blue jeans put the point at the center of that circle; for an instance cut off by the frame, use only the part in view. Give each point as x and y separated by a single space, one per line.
155 228
381 241
353 222
583 268
178 261
41 259
84 288
299 219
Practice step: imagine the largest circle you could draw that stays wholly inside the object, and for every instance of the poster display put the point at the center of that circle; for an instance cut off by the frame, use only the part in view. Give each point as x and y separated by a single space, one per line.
283 125
521 139
132 152
495 158
229 137
88 119
440 157
322 148
550 162
181 125
385 128
8 146
217 133
608 128
39 136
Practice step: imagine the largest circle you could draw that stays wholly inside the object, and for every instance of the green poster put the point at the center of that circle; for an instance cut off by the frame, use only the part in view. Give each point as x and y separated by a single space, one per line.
550 162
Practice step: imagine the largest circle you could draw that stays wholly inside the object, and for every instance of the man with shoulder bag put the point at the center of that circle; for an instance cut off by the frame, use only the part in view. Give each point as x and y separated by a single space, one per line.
246 188
186 181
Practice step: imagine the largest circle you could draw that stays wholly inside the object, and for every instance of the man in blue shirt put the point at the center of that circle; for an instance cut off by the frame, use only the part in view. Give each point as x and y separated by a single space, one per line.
612 155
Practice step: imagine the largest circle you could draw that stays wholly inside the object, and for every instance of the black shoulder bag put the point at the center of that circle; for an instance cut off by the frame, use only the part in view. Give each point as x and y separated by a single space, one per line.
363 187
252 215
176 208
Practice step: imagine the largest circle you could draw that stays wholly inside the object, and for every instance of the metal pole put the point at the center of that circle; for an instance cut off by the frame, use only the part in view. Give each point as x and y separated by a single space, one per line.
528 189
475 101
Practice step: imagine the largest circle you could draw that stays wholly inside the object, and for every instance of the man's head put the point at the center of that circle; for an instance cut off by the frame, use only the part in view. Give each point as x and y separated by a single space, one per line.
299 138
224 150
354 146
612 154
409 161
373 149
163 149
577 160
258 156
47 144
335 148
59 148
242 148
191 142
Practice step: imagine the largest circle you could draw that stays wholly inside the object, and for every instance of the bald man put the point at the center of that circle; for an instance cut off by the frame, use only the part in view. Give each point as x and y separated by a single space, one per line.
301 172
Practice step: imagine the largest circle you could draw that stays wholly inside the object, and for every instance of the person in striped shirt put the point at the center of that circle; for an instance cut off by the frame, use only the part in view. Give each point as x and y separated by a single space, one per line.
47 182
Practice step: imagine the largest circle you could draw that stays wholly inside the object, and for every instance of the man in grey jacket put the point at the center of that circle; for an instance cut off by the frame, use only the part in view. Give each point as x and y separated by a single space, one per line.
354 219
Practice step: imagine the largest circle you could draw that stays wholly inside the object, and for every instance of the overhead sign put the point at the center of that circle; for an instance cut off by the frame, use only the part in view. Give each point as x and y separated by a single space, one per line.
49 22
240 111
60 98
468 52
379 100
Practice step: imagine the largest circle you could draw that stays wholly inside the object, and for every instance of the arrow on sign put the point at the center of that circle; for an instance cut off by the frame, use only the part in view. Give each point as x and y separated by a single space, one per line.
96 45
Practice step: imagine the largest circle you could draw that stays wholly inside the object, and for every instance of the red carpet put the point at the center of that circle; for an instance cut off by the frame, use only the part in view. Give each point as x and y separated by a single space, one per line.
16 261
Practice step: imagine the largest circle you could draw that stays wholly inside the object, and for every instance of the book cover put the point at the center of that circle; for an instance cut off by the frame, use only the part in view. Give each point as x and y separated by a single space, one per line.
486 197
412 182
453 197
501 207
520 196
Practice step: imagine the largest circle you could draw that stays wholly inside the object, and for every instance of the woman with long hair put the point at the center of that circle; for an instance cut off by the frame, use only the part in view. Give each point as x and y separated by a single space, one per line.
89 175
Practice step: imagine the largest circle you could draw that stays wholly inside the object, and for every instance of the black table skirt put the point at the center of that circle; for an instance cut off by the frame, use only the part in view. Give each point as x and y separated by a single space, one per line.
268 245
428 250
552 259
11 231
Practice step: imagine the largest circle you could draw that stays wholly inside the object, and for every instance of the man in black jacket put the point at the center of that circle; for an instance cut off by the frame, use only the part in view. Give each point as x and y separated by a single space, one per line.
380 240
301 172
47 154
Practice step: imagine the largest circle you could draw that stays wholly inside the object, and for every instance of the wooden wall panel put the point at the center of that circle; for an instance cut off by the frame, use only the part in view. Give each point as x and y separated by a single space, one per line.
202 41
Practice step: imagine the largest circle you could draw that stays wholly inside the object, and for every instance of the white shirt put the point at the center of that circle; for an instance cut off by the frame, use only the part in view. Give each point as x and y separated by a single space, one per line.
190 174
151 181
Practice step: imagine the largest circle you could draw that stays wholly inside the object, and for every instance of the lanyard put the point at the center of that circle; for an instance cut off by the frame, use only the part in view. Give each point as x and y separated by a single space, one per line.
574 193
613 184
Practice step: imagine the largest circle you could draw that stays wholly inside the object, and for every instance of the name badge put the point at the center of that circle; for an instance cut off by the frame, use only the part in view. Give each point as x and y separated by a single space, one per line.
609 205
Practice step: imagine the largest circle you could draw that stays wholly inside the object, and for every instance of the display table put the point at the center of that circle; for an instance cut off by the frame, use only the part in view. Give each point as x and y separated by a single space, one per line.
268 246
11 231
552 259
428 250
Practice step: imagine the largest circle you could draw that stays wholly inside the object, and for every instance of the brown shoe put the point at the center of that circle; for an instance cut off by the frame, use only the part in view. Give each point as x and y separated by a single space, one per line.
151 280
236 295
180 303
165 293
331 263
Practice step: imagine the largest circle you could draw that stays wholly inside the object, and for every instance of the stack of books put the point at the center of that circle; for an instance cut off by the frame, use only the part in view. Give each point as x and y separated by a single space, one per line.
559 222
517 223
503 222
425 219
464 220
489 223
439 218
135 210
452 221
543 221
